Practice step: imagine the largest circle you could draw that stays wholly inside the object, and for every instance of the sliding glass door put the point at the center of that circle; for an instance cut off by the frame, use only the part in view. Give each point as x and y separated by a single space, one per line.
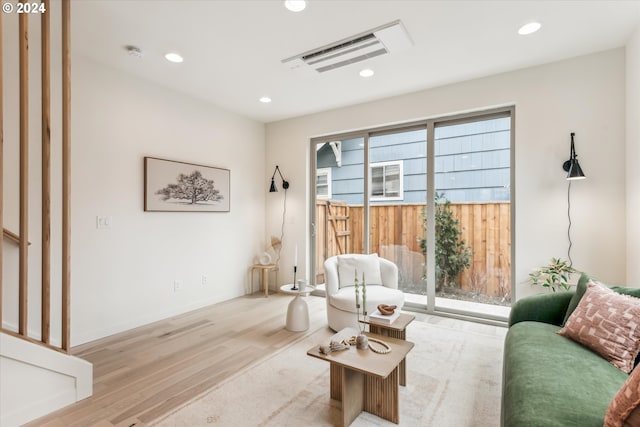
339 197
473 214
371 194
397 200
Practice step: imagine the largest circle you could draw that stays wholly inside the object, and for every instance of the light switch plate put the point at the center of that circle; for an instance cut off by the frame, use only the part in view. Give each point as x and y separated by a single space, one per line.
103 222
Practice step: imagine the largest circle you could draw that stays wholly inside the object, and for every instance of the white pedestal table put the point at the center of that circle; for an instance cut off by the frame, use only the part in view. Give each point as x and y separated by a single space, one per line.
298 311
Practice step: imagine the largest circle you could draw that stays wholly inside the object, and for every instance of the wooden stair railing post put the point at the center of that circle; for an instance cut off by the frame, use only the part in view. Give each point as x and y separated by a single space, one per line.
23 29
1 166
22 239
46 174
66 174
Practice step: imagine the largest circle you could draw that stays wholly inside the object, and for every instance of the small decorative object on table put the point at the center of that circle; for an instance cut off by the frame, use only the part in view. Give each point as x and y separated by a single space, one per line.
334 346
347 337
379 346
386 310
344 338
362 342
295 269
385 314
264 258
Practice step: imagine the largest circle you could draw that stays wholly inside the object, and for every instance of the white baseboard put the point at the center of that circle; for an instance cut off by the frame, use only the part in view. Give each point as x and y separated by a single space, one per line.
144 320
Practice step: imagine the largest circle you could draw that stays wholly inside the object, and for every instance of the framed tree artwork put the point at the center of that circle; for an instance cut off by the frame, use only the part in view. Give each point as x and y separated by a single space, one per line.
171 186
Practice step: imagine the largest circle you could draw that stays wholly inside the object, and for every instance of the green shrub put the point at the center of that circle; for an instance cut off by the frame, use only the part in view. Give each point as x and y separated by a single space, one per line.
452 253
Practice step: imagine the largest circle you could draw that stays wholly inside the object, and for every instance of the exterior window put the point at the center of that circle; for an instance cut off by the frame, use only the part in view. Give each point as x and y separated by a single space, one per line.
386 181
323 183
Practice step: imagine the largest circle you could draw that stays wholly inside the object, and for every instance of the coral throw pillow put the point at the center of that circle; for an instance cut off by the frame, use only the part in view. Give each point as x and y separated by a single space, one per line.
607 323
624 409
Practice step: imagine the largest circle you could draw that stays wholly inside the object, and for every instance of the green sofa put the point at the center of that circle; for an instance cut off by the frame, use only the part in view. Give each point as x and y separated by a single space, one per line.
549 380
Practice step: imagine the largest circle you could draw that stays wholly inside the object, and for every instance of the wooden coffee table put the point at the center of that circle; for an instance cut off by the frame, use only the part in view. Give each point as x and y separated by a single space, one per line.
397 329
366 381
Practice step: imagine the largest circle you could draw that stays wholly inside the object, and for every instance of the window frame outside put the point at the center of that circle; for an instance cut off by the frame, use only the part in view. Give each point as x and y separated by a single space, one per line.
327 173
384 197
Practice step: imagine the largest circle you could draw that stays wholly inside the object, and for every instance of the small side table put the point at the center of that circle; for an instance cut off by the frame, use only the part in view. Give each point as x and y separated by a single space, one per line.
298 311
265 276
397 329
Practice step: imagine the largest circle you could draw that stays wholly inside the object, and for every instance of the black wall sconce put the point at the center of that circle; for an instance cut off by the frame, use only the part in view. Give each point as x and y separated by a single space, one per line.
571 166
574 172
285 183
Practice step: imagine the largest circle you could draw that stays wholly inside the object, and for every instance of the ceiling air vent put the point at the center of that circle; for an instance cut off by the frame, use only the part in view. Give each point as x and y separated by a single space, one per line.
388 38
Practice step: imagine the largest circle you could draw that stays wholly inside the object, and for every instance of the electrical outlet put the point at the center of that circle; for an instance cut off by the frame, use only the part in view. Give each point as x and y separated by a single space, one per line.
205 280
176 285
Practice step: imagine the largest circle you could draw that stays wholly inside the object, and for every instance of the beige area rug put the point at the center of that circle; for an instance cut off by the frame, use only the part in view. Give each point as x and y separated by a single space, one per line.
453 379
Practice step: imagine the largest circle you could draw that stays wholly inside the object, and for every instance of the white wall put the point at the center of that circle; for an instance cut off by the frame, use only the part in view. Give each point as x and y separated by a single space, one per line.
122 277
583 95
633 158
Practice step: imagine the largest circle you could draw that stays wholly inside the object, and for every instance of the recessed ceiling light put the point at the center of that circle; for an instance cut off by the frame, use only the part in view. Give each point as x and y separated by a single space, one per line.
367 72
295 5
174 57
265 100
529 28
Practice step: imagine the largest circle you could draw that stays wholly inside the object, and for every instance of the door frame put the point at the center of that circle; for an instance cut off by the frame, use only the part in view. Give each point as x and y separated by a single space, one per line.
429 125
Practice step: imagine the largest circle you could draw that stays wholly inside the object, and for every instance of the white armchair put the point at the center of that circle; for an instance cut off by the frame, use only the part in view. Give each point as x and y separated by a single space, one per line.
381 277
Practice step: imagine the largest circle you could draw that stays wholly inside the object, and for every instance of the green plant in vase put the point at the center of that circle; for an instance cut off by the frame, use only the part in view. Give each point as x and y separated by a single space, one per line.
554 275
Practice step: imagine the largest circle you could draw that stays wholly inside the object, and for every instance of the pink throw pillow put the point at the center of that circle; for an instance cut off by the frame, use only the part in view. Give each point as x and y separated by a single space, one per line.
624 409
607 323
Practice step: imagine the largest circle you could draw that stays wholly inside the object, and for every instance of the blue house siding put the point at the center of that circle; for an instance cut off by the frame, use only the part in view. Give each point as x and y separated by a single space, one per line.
472 163
347 181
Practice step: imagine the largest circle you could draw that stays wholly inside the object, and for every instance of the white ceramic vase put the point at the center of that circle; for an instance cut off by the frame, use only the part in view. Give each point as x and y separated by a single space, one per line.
264 258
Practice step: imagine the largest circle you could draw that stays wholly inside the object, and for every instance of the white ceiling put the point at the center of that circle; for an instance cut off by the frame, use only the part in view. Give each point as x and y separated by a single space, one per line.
233 49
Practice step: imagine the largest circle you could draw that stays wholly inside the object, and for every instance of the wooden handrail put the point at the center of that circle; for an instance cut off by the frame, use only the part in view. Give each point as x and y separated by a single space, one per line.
12 236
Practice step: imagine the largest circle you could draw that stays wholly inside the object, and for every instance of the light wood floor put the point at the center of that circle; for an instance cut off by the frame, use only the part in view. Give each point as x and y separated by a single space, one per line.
145 373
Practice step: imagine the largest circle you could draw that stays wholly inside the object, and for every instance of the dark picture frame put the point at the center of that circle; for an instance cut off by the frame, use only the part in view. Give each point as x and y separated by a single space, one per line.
173 186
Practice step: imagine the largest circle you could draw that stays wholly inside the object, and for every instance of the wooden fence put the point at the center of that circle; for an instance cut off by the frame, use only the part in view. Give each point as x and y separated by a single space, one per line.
395 233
